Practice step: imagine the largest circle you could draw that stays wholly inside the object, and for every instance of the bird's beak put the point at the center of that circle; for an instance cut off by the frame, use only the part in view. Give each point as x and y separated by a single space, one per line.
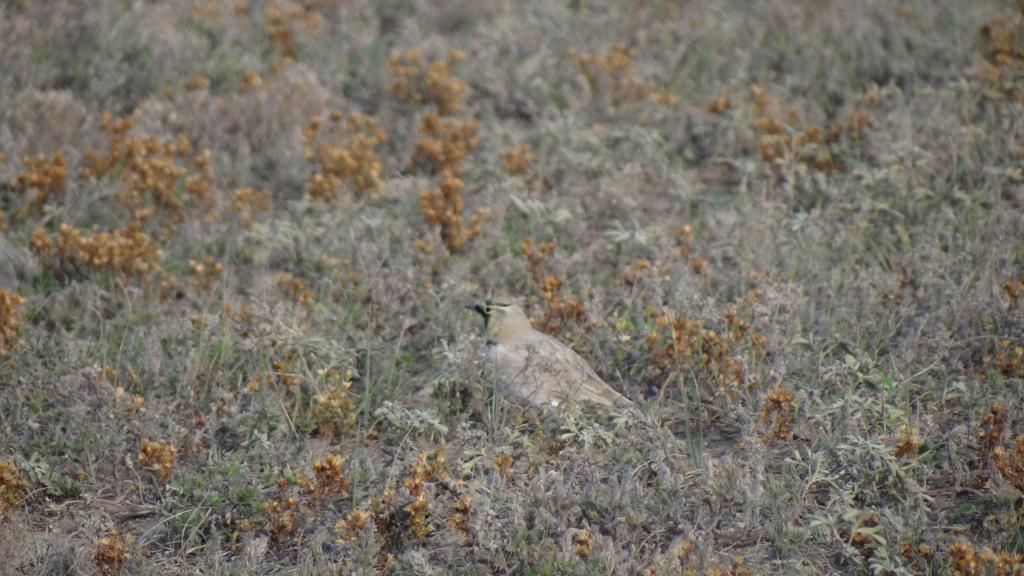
478 309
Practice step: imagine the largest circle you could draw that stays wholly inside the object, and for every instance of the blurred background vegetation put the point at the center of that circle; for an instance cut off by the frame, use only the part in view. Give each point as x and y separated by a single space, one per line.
236 238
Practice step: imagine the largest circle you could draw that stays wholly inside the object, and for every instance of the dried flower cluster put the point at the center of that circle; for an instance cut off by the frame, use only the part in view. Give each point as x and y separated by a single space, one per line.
241 316
197 83
427 468
918 556
558 309
643 269
583 544
159 458
296 289
200 183
417 82
328 480
286 22
207 11
247 203
150 171
778 415
281 515
45 180
334 410
127 251
697 264
519 160
10 322
251 80
683 344
966 560
444 143
504 464
783 137
442 147
460 517
394 524
419 517
1003 51
613 73
1009 359
352 524
344 149
863 536
1011 464
684 554
908 442
443 208
281 369
690 563
112 551
993 430
206 272
12 487
1013 287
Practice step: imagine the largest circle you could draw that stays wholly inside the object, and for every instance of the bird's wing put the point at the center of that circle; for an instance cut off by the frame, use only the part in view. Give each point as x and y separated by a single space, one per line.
554 362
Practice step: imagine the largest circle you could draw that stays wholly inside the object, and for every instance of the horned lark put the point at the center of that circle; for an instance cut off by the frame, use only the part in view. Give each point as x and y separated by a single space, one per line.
534 366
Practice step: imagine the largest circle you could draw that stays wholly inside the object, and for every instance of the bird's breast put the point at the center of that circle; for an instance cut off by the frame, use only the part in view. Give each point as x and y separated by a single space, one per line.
508 359
491 350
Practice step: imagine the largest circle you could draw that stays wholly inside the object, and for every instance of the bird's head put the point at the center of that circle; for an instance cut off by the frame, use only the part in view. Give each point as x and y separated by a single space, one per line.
503 318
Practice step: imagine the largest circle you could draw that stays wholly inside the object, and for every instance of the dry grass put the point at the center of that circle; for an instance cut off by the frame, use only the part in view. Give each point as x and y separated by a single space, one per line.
237 239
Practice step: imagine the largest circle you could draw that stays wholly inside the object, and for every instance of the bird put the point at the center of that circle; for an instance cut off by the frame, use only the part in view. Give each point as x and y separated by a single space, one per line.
551 376
535 366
